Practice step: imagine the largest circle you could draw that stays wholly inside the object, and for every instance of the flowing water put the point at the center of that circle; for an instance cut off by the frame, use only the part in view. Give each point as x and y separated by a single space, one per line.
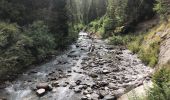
105 71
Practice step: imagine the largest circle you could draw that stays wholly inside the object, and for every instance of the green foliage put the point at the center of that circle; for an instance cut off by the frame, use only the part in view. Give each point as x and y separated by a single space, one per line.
13 55
161 7
103 26
161 89
121 39
149 55
134 45
8 34
21 49
43 41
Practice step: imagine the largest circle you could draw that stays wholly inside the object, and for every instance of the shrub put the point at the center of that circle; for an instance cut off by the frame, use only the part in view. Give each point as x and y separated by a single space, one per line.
116 40
161 89
8 34
43 41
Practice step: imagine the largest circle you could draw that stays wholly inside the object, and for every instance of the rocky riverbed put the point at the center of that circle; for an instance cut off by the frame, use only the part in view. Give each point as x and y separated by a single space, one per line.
90 70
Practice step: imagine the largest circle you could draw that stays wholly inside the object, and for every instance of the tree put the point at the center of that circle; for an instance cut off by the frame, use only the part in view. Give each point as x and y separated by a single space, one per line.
162 8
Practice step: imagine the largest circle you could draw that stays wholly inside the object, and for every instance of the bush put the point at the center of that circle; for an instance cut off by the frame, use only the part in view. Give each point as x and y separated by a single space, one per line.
21 49
42 40
161 89
8 34
116 40
121 39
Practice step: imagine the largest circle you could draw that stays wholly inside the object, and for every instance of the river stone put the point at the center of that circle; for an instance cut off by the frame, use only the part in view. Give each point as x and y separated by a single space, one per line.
110 97
78 82
93 75
42 86
94 96
112 86
119 92
40 92
103 83
55 84
106 71
102 93
85 92
84 98
77 90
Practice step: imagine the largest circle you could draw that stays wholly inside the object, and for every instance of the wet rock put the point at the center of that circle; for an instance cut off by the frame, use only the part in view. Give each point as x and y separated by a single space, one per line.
89 90
69 71
86 92
93 75
110 97
102 94
84 98
78 82
106 71
119 92
64 84
40 92
43 86
94 96
103 83
77 90
33 72
55 84
112 86
71 87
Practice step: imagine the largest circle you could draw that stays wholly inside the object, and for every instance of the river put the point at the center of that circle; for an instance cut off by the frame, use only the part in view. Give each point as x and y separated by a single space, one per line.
103 74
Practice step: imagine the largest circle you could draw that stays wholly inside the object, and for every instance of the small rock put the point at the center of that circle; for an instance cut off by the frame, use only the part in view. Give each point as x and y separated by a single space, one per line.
119 92
40 92
69 71
85 92
43 86
89 90
103 83
102 94
94 96
112 86
106 71
109 97
78 82
33 72
93 75
84 98
55 84
77 90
